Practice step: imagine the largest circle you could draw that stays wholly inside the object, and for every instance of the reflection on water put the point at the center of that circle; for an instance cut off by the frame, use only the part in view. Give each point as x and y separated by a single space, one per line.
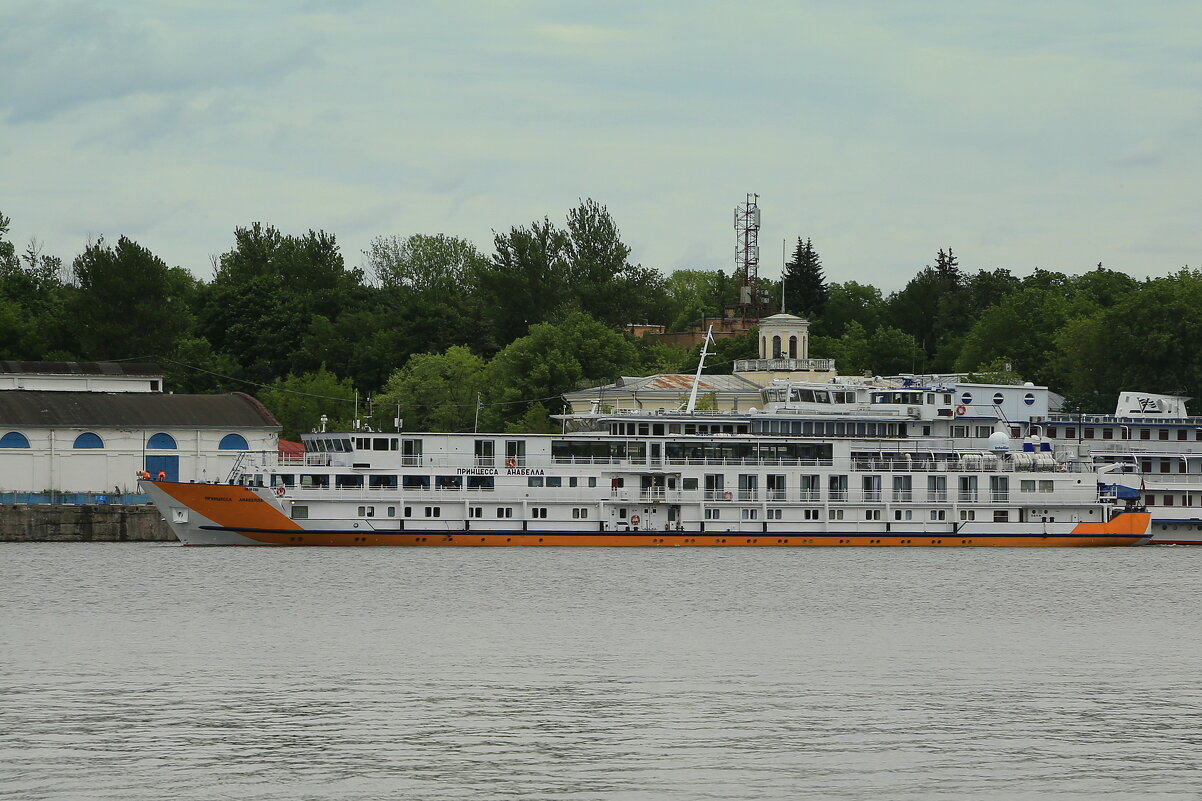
149 672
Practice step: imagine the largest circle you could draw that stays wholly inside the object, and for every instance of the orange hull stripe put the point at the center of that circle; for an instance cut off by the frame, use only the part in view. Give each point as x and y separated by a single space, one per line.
469 539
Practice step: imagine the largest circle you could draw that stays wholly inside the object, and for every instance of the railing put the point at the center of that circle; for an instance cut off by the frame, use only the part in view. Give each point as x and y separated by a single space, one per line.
74 498
782 364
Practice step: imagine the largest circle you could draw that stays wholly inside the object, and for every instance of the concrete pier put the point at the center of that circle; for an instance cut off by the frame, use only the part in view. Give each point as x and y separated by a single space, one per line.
83 523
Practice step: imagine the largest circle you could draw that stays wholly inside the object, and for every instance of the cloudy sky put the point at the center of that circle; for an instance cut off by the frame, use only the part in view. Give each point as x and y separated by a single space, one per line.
1022 134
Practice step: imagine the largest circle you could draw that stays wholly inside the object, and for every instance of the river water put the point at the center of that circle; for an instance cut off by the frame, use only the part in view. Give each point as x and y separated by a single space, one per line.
155 671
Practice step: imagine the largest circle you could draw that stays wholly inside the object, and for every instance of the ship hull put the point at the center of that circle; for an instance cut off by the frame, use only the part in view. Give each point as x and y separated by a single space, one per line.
201 514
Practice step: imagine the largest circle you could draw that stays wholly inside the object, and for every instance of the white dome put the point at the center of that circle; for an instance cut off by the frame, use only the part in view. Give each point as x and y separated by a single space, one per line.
999 441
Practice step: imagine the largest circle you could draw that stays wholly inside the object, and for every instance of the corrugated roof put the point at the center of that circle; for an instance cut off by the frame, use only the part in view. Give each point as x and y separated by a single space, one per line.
36 408
81 368
672 382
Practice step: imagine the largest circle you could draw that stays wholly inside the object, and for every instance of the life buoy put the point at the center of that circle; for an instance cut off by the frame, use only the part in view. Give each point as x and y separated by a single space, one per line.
280 490
634 520
961 409
510 461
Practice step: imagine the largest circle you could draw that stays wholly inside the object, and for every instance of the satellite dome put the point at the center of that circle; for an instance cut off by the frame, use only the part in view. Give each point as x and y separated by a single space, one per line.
999 441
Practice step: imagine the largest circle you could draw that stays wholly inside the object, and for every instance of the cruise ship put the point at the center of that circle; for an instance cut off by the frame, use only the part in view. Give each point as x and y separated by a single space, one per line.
841 462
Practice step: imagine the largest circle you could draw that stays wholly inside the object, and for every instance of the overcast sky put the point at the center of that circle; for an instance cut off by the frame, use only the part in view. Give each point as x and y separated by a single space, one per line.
1022 134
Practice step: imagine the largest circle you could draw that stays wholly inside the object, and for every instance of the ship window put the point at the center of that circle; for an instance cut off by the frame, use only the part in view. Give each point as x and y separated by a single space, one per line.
713 514
348 481
504 511
1163 433
448 482
1181 433
480 482
534 481
592 481
233 442
998 398
573 481
433 511
1089 433
379 444
392 511
475 511
554 481
1000 516
415 482
966 398
1029 399
1070 433
938 514
538 512
408 511
300 512
689 484
835 514
88 440
968 514
161 441
1107 433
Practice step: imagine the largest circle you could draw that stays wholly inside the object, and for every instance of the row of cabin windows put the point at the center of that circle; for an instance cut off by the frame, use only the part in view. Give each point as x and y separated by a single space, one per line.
1124 432
301 512
665 429
999 515
355 481
159 441
809 428
557 481
1185 499
1028 398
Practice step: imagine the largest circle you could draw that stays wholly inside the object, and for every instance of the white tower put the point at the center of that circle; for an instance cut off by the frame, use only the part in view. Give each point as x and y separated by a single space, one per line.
784 336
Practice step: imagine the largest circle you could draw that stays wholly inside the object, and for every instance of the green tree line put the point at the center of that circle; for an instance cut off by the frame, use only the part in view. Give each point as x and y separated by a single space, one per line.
430 329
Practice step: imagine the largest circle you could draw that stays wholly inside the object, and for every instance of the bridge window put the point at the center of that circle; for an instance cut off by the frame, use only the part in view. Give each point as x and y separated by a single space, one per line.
88 440
14 439
232 442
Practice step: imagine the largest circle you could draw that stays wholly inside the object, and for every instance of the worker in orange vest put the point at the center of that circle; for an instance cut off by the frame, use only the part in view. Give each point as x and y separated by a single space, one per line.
162 476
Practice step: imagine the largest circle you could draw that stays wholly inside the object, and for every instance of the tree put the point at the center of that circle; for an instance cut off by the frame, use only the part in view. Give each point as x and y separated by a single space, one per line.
299 401
606 286
526 279
550 360
129 302
429 266
1147 340
805 287
266 294
847 302
694 294
435 392
1021 329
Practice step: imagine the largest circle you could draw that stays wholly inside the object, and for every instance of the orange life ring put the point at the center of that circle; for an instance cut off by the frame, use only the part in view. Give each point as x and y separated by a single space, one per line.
510 461
280 490
634 520
961 409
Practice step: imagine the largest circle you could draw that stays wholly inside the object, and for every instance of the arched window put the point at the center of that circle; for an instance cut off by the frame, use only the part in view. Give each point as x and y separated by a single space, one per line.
233 442
88 440
14 439
792 347
161 441
776 347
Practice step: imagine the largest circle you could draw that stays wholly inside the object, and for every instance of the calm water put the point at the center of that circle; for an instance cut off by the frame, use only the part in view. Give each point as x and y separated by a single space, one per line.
153 672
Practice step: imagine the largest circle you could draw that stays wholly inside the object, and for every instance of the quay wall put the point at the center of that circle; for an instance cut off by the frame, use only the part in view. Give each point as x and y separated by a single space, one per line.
82 523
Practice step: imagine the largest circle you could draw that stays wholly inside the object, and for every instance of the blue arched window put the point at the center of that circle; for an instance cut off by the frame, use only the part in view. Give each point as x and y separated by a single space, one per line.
14 439
88 440
161 441
233 442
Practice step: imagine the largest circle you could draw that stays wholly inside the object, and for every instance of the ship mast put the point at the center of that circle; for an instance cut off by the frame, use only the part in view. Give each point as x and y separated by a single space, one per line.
709 337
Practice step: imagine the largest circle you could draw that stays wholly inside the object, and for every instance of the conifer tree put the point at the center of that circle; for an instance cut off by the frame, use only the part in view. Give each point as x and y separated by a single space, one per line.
805 291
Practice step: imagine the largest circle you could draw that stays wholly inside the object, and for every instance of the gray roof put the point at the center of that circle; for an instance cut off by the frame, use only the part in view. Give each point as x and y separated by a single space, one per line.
46 409
81 368
671 384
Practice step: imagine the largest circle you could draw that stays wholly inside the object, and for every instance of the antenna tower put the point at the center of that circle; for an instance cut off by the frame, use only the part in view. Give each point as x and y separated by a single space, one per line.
747 256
